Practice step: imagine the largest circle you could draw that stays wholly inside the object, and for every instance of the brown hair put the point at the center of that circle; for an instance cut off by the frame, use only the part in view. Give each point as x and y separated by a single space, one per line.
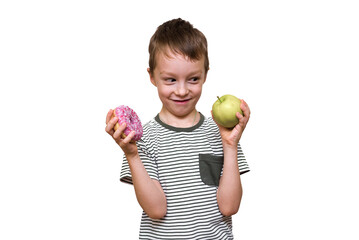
180 37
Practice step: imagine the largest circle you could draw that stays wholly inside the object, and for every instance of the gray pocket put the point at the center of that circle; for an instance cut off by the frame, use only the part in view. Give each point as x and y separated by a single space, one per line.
210 168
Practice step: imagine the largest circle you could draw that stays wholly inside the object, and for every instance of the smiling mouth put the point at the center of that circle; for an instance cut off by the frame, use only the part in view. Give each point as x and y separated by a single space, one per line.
181 101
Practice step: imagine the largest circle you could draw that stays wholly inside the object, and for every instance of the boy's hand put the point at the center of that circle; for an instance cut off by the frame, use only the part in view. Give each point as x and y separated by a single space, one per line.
230 137
128 146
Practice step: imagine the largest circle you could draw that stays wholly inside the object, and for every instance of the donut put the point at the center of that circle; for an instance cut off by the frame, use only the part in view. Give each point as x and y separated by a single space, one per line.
133 122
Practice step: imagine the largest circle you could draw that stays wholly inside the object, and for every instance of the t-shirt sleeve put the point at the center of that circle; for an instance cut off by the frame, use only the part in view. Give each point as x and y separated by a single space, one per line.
242 162
147 160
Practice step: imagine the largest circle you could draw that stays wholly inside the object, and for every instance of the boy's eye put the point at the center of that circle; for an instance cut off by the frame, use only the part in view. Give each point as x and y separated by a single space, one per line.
194 79
170 80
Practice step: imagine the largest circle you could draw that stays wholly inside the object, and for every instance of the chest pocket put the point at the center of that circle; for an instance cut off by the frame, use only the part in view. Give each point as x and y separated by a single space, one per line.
210 168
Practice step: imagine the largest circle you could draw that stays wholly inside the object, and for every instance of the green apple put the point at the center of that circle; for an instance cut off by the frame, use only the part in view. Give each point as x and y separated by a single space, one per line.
224 110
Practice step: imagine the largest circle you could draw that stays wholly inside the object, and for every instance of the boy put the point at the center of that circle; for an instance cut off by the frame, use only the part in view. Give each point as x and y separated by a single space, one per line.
186 168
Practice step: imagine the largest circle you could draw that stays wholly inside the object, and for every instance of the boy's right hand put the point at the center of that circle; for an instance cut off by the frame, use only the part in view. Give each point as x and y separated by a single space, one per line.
128 146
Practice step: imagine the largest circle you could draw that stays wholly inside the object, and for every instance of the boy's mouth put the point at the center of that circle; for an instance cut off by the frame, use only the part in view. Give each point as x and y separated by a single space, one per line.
181 101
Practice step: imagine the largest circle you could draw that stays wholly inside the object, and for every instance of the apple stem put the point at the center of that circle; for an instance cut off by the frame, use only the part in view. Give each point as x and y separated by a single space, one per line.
219 99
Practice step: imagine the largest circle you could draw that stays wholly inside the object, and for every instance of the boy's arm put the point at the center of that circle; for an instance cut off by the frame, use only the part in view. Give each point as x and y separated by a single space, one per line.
229 193
148 191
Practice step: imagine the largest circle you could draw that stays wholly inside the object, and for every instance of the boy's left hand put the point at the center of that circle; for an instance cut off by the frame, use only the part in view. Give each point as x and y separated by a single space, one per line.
230 137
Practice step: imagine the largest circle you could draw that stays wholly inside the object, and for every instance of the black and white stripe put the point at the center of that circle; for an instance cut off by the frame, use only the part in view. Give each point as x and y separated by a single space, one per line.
171 156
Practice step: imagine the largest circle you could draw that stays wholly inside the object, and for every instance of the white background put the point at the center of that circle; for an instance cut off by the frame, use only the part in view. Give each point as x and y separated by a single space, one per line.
64 64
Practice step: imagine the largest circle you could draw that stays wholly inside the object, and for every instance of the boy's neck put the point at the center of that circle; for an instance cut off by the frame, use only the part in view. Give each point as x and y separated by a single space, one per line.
187 121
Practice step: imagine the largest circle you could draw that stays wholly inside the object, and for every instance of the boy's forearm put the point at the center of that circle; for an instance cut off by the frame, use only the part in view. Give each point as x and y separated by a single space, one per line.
229 193
149 192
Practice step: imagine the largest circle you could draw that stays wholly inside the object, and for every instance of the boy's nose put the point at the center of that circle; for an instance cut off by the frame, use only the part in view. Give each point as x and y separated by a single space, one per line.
182 90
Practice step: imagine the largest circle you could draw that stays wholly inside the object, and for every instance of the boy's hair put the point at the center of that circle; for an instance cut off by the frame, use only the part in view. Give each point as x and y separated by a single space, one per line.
180 37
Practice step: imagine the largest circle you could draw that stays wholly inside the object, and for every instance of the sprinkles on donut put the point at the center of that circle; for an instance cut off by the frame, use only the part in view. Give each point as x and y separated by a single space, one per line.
133 122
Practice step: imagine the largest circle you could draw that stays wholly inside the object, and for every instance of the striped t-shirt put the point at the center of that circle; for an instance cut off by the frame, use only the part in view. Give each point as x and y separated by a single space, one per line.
188 164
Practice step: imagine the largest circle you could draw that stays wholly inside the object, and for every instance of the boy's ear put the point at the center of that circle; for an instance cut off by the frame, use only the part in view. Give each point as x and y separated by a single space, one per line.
151 77
205 76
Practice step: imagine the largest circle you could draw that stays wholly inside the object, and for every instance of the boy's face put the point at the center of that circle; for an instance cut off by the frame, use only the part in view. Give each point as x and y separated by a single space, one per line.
179 83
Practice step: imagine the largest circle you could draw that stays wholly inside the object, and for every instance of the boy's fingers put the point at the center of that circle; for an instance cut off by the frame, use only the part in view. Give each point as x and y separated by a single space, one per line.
118 133
249 110
243 105
245 109
109 115
108 130
110 125
128 138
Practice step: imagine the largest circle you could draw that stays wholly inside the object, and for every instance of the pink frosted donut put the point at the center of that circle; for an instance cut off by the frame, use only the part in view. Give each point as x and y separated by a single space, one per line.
133 122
